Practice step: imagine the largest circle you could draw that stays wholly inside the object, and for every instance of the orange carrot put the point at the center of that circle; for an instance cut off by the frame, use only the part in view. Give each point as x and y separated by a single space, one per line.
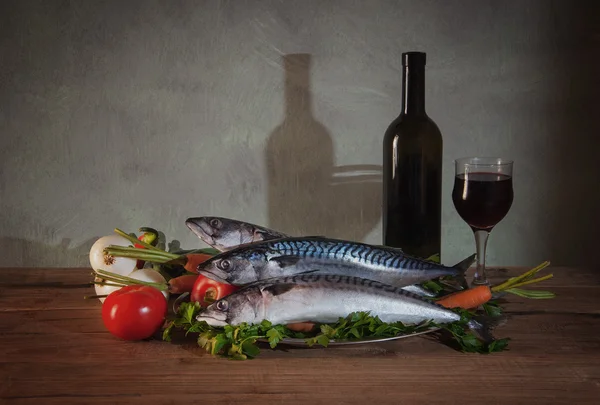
301 327
182 284
192 261
467 299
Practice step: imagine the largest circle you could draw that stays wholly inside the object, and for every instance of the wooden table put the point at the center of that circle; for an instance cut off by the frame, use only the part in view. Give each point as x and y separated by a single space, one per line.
54 350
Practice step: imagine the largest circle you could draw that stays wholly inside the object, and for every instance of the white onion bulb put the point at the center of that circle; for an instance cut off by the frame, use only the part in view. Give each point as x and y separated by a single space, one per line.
118 265
101 261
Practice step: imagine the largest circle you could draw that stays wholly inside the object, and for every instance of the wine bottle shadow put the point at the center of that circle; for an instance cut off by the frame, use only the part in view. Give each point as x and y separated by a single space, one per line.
307 195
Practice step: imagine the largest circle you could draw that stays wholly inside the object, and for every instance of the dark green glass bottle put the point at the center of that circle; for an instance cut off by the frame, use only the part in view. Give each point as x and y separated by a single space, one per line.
412 169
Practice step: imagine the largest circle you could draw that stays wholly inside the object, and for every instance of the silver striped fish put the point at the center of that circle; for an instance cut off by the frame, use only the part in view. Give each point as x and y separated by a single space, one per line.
224 233
326 298
294 255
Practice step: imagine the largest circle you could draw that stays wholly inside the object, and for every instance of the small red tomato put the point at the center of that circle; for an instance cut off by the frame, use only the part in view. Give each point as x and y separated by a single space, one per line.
134 312
207 290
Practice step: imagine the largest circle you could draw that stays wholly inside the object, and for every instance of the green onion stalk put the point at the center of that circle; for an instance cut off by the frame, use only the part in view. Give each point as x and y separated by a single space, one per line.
150 253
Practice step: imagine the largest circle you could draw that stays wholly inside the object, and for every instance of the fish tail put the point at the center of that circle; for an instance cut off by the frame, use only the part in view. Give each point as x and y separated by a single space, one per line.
462 267
482 326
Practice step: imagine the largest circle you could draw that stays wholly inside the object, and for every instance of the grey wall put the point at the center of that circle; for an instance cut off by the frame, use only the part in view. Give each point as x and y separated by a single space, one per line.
143 113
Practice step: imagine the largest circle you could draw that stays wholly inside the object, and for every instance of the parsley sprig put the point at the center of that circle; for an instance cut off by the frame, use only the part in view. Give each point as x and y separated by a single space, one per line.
359 325
240 342
466 340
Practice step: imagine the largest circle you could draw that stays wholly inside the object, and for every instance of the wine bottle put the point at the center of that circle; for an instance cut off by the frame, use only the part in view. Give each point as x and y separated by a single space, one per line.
412 169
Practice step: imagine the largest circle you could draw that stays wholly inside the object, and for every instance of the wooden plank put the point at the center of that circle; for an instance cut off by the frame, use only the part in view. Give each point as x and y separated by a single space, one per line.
54 349
501 378
45 289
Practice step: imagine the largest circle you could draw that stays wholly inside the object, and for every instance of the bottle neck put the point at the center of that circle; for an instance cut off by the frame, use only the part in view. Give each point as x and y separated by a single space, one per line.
413 90
298 100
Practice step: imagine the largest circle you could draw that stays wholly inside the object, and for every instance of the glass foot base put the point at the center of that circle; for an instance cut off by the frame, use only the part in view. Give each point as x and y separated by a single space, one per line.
479 281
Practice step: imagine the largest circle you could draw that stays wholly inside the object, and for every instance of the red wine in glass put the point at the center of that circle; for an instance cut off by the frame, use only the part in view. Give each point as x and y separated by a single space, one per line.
482 199
482 195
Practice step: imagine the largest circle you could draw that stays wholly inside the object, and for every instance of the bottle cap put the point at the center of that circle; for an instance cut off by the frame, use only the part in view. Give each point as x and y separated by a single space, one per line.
414 59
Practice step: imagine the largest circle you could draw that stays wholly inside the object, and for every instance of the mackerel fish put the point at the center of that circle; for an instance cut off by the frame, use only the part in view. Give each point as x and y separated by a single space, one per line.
225 234
294 255
324 299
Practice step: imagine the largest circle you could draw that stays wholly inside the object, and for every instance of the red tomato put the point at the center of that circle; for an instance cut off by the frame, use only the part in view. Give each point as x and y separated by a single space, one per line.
207 290
134 312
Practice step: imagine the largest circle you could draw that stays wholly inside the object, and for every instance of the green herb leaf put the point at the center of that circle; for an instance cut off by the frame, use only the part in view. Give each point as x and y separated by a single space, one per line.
491 308
433 286
323 340
166 335
234 350
274 337
238 356
229 330
250 349
498 345
189 312
328 331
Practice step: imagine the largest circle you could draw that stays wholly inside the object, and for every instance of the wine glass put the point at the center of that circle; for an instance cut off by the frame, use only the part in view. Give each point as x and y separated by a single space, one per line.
482 196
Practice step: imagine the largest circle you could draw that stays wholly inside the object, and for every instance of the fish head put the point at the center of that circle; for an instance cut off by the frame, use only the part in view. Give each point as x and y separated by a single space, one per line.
236 269
221 233
242 306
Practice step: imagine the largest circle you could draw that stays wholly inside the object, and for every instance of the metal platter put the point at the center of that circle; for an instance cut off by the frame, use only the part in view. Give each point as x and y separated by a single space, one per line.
300 342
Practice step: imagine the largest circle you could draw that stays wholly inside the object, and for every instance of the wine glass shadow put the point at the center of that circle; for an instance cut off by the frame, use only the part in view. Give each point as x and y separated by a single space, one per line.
307 193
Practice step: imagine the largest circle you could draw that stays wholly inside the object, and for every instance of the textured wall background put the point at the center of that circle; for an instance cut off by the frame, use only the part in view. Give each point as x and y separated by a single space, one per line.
143 113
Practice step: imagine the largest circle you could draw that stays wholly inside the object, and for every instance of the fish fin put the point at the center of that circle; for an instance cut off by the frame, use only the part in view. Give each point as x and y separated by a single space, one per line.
277 289
462 267
419 290
482 326
268 234
285 261
454 285
397 249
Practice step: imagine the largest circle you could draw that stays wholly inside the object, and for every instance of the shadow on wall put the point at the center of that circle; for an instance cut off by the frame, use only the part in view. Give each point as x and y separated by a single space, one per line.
27 253
308 195
573 206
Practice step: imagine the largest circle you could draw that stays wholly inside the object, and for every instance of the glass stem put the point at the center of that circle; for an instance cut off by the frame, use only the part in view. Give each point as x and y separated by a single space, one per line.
481 238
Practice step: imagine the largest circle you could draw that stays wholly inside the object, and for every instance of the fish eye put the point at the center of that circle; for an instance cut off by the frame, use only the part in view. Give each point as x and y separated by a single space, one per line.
222 305
215 223
224 264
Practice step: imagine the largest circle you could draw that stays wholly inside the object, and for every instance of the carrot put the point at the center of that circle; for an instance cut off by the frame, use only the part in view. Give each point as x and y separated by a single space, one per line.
301 327
476 296
467 299
192 260
182 284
